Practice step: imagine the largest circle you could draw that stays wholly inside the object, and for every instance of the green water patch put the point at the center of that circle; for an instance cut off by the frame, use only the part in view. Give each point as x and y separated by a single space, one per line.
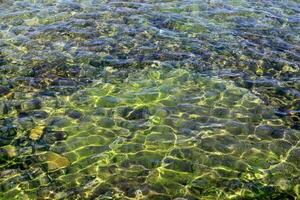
149 99
158 134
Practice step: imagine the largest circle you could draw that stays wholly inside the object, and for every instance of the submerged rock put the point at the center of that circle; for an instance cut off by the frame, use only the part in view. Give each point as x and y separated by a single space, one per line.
75 114
10 150
36 133
106 122
7 131
3 90
55 161
31 104
108 101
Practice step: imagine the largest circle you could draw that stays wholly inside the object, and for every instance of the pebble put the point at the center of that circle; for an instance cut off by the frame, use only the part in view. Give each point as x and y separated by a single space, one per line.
55 161
75 114
3 91
108 101
36 133
32 104
11 151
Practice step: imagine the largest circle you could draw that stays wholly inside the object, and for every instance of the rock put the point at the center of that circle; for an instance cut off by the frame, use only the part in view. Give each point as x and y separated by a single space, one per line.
179 165
75 114
51 137
68 5
36 114
134 114
140 113
3 155
147 96
4 108
36 133
31 105
59 122
221 112
7 132
108 101
294 157
3 91
11 151
106 122
40 114
24 123
277 133
55 161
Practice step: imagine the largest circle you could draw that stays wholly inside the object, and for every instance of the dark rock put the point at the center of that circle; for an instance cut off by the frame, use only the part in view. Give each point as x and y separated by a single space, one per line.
294 157
69 5
58 121
74 71
134 114
106 122
179 165
75 114
32 104
3 155
277 133
40 114
63 82
51 137
108 101
7 132
3 90
4 108
140 113
48 93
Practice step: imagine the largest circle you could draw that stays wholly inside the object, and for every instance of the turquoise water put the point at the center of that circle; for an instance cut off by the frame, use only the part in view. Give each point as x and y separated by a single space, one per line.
149 99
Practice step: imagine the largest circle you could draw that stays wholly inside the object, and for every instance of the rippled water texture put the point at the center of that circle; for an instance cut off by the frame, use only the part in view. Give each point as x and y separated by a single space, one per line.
148 99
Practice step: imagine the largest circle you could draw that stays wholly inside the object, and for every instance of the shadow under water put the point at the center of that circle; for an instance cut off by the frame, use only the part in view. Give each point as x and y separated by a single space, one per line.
149 99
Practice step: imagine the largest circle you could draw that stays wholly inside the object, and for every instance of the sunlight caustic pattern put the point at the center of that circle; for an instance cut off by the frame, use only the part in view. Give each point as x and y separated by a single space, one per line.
149 99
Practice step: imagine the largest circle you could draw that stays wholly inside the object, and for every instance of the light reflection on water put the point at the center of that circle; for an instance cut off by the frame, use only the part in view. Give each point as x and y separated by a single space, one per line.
149 99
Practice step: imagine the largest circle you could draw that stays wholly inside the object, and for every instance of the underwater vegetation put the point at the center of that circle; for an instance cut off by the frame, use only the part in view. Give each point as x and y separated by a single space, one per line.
148 99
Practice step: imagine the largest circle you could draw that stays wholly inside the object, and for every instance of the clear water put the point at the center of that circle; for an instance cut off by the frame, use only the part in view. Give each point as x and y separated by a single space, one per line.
149 99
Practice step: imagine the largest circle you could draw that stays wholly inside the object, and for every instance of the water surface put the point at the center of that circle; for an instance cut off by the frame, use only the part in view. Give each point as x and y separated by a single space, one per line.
149 99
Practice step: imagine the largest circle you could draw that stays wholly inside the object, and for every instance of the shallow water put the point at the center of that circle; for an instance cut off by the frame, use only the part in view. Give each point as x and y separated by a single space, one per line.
149 99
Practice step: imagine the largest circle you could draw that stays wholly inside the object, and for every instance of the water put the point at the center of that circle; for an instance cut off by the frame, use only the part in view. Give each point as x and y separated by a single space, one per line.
149 99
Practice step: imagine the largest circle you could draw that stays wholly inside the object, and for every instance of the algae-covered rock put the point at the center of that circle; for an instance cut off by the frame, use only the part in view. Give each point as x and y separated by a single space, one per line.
106 122
31 104
7 152
55 161
36 133
108 101
10 150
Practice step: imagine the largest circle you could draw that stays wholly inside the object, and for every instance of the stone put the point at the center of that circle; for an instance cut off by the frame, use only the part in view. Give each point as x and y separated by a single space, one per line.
59 122
36 133
135 114
75 114
11 151
106 122
39 114
221 112
50 137
7 133
277 133
4 108
3 90
55 161
31 104
108 101
179 165
294 157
